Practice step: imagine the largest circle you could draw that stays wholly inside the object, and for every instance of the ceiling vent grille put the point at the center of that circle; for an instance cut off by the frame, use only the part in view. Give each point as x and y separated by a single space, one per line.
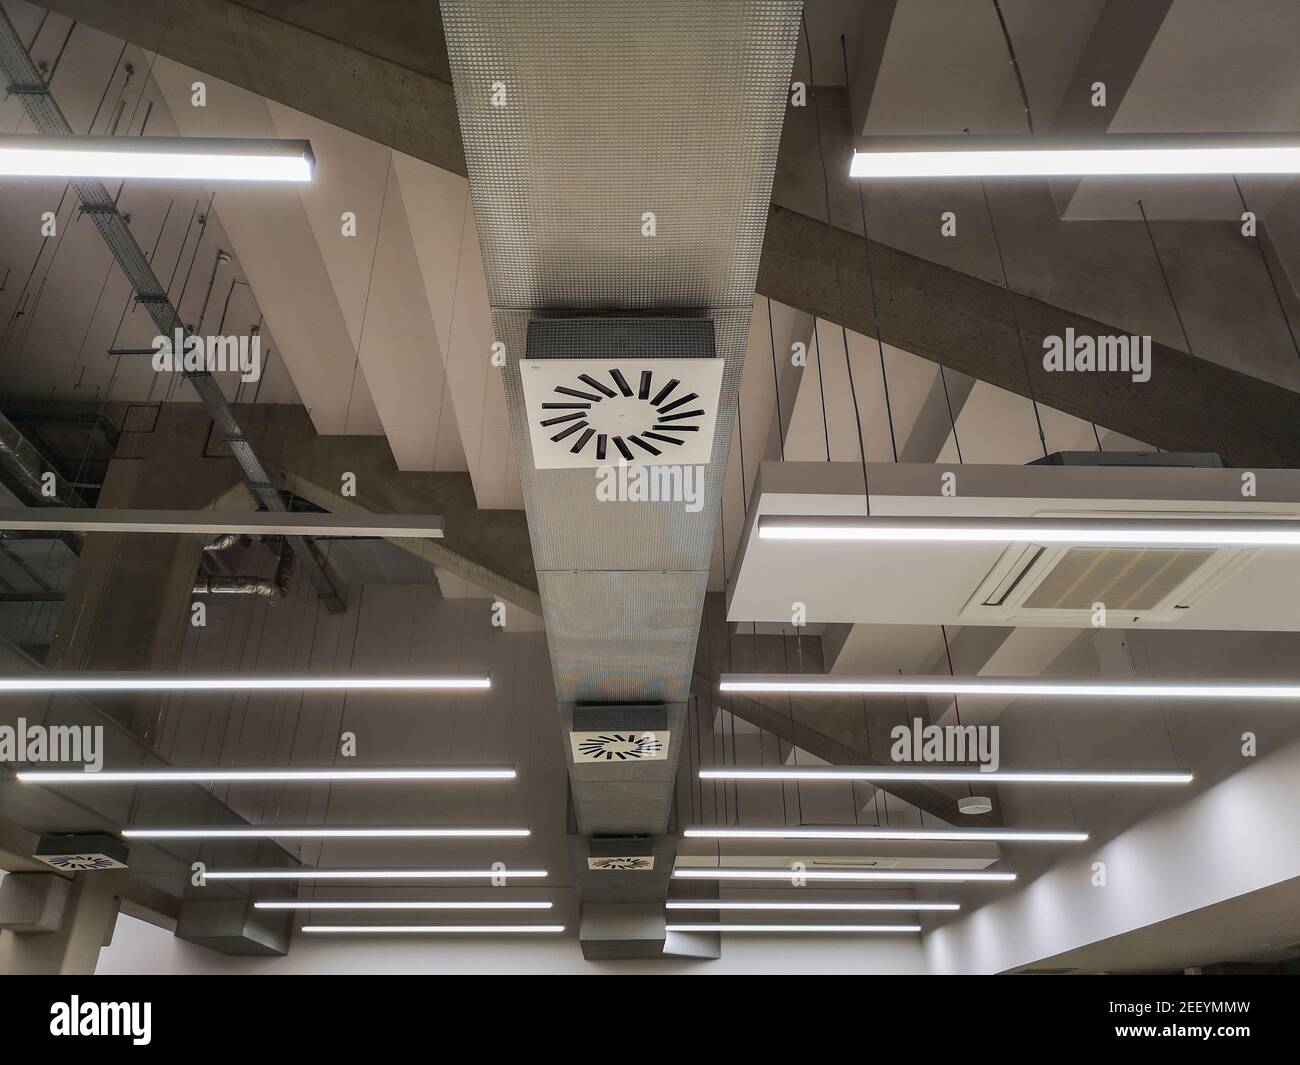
620 865
1122 578
73 853
621 854
619 747
587 413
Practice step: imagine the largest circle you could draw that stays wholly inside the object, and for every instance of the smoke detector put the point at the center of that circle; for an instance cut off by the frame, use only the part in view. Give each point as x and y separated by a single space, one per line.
621 854
74 853
587 413
974 804
634 732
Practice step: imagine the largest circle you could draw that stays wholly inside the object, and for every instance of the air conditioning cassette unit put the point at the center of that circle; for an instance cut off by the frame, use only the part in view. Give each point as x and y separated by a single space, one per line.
83 851
619 732
621 854
1064 584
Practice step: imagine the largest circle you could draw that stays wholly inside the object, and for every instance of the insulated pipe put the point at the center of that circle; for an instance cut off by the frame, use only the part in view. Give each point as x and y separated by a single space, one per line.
263 586
275 589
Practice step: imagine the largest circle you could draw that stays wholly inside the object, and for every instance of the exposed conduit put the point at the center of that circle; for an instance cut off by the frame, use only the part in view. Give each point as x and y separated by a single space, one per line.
25 81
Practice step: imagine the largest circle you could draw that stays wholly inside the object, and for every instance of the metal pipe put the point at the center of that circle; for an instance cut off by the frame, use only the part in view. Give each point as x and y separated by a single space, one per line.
273 588
262 586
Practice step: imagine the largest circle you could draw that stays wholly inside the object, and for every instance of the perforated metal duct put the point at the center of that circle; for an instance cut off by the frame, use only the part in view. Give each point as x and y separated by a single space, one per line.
578 117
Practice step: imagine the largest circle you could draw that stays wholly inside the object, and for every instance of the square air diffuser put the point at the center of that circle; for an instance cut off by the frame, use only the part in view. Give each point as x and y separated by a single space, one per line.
621 854
585 413
74 853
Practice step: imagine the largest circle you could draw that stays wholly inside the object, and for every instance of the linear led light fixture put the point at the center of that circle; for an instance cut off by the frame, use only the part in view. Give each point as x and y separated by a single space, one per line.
798 929
1109 532
212 522
774 907
372 874
279 832
956 775
433 929
184 682
286 775
978 835
171 158
394 904
1108 155
806 684
950 876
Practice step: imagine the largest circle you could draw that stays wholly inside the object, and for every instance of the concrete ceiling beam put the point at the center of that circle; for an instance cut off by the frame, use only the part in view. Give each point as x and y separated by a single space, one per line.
931 310
964 324
390 83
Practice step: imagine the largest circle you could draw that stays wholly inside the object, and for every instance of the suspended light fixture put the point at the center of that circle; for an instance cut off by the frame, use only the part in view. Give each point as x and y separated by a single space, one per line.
210 522
287 832
901 875
279 775
807 684
711 904
372 874
977 835
434 929
798 929
1049 156
183 682
393 904
166 158
955 775
1109 532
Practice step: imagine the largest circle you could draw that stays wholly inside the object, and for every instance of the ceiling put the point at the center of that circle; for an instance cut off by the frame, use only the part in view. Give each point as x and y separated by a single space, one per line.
387 335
